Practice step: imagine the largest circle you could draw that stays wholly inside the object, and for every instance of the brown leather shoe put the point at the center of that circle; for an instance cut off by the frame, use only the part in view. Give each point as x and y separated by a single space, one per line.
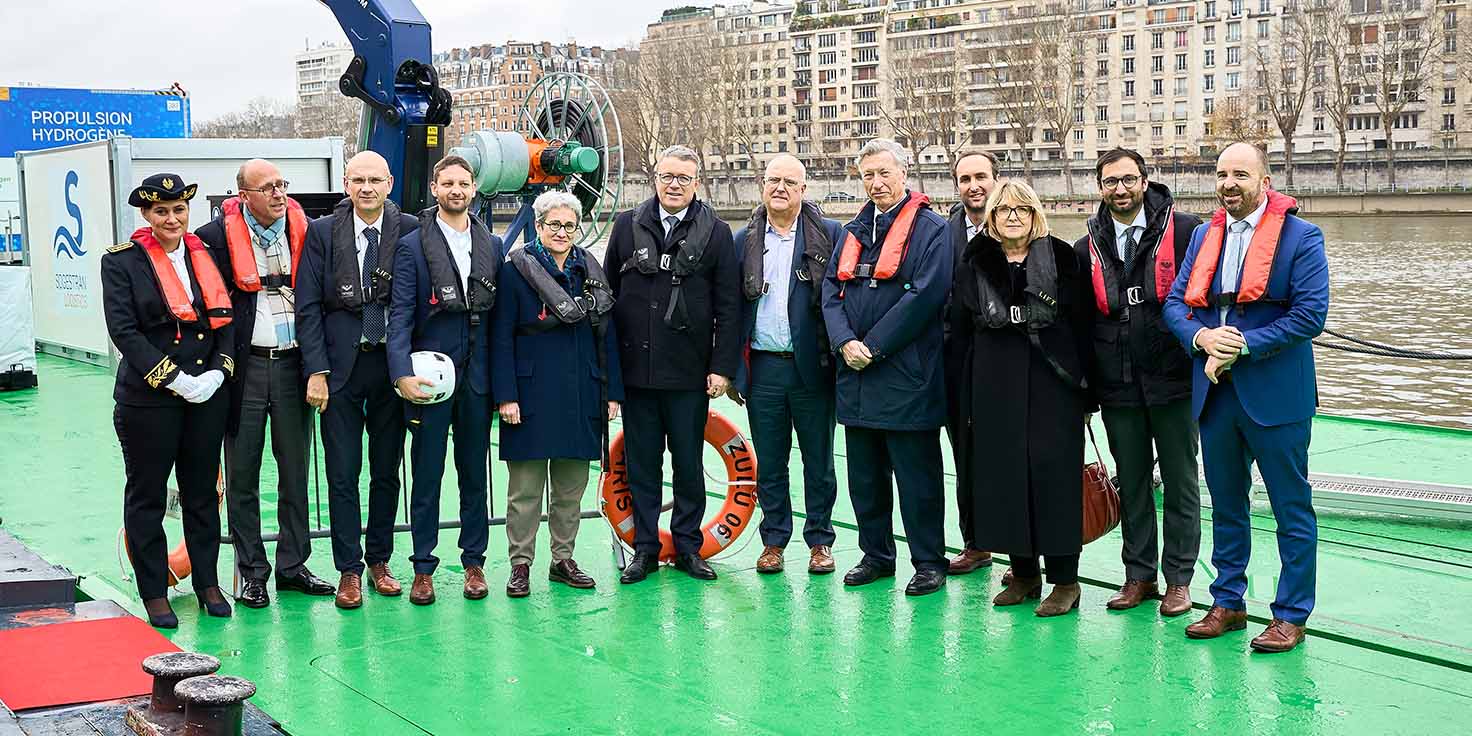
1177 600
421 592
1216 622
1019 590
349 591
383 580
969 560
771 559
1063 599
1132 594
475 583
1007 577
518 586
1279 636
820 560
567 573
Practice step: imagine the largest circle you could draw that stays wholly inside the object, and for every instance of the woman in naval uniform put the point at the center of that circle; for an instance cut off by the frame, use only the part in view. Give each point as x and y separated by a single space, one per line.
168 313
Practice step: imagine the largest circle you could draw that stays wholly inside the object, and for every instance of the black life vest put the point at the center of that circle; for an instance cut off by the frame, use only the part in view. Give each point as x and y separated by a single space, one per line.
348 292
444 278
560 307
649 259
817 248
1038 310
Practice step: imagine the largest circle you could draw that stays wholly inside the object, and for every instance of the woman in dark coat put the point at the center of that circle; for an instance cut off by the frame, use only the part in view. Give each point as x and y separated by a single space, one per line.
1020 335
168 313
552 347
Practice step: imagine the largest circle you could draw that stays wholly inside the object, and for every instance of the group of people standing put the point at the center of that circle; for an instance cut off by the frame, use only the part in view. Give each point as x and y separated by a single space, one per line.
899 323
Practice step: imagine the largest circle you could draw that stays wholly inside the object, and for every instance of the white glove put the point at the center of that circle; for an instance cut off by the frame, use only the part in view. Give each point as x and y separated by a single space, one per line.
184 385
210 382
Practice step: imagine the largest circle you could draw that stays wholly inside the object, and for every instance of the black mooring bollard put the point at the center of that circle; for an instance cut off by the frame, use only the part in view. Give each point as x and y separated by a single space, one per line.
213 704
168 670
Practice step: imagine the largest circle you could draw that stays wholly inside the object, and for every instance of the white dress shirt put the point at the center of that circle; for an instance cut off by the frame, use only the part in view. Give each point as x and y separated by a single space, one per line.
972 229
1234 251
664 219
460 249
177 258
360 242
1120 230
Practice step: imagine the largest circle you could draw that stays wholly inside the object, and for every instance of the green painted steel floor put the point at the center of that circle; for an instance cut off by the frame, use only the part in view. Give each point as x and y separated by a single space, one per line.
1390 649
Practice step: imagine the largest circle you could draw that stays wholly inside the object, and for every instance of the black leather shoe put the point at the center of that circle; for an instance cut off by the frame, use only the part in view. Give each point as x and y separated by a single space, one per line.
926 581
212 600
865 573
305 582
160 614
253 594
639 567
694 566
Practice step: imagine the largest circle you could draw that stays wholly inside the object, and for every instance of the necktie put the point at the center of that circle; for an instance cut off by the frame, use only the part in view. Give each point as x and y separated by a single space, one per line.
1232 263
374 325
669 227
1131 235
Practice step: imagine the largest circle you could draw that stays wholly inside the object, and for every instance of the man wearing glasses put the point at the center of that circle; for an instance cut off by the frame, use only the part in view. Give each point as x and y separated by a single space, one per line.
677 288
787 382
257 242
342 318
1142 376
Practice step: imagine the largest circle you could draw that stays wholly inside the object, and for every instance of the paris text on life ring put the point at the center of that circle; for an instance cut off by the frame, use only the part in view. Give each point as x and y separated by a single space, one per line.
179 565
728 522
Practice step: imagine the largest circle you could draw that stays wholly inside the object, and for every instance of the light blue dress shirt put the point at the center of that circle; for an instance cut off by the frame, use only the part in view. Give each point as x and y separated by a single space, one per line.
773 331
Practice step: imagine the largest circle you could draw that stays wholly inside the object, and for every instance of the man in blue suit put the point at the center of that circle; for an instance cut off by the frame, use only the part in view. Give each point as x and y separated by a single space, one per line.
882 300
1251 294
342 294
787 379
443 288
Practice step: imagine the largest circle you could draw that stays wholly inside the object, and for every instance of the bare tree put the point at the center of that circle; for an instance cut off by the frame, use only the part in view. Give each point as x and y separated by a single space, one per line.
732 112
675 94
925 100
1400 43
1285 75
1060 93
263 117
1009 68
1236 119
1340 53
328 115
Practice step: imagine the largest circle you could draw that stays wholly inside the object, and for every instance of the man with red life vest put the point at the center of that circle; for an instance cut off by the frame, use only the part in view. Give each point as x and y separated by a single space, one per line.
1253 291
882 300
257 242
1141 378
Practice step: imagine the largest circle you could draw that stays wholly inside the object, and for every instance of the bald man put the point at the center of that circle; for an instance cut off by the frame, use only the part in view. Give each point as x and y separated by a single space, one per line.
1250 296
257 242
342 318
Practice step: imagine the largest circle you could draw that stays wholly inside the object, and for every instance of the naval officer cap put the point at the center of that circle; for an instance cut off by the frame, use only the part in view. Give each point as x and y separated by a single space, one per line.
162 188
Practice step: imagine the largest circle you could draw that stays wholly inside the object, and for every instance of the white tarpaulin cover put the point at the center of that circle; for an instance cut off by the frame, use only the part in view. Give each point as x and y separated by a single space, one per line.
17 329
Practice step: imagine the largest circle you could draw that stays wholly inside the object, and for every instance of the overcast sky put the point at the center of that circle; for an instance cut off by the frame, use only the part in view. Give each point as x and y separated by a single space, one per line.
228 51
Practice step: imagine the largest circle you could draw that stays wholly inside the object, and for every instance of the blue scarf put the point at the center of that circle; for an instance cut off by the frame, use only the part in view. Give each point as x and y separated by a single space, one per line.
570 276
265 236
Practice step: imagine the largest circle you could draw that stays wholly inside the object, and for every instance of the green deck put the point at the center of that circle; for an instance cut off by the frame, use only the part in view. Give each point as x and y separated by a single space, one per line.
1389 651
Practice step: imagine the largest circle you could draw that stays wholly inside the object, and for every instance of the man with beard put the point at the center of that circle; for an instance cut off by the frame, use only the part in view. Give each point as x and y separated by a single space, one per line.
444 285
1252 293
975 173
677 310
343 292
1141 378
787 383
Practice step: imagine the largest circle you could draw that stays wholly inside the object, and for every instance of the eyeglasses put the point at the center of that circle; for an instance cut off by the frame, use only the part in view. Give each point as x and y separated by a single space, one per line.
1021 212
681 179
359 181
773 181
270 188
554 227
1129 182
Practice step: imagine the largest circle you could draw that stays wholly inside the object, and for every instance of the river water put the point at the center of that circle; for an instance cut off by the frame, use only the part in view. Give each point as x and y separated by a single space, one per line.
1400 280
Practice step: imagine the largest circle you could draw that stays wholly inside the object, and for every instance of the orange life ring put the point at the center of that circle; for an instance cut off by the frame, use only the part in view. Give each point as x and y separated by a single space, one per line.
725 526
179 565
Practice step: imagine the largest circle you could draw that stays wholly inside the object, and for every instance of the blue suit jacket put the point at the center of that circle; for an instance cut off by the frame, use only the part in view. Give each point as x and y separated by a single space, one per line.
802 321
1275 379
411 328
329 337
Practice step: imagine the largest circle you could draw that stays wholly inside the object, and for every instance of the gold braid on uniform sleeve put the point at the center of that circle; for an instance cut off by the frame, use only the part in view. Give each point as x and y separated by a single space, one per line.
160 372
228 363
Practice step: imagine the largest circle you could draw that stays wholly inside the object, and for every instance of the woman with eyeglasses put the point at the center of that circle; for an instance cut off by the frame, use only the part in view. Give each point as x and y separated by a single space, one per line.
1020 333
555 375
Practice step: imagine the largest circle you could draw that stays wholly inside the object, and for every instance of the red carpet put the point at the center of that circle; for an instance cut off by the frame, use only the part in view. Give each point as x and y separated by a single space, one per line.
77 662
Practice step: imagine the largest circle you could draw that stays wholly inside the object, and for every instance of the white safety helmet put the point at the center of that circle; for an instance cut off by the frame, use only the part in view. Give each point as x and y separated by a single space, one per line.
438 368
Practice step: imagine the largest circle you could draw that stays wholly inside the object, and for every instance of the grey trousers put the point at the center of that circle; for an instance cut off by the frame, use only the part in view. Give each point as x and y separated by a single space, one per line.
273 391
1136 434
525 489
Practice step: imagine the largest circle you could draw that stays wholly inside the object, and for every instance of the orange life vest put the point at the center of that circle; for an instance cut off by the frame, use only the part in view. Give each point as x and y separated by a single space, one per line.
1164 270
238 240
1257 266
896 244
206 279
